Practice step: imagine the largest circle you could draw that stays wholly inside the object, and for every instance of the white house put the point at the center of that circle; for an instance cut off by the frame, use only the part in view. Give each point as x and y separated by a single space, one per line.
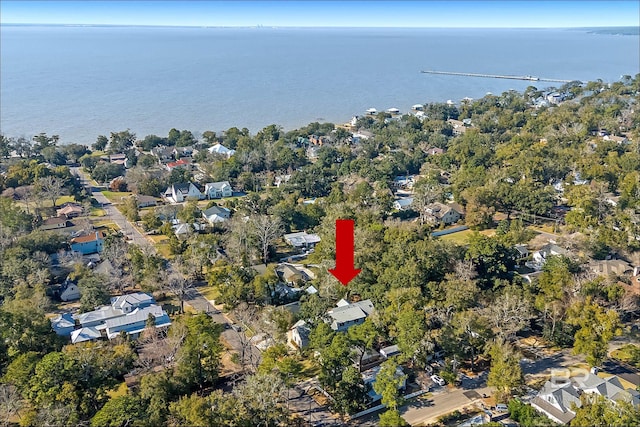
302 239
69 291
127 313
298 335
440 213
221 149
403 204
540 256
179 192
556 400
217 190
216 214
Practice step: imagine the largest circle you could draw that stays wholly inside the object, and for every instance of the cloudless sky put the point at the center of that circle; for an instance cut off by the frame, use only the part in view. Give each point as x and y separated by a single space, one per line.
524 13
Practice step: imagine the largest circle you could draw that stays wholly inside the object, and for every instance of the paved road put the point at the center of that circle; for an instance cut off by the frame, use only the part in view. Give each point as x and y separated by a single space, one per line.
444 401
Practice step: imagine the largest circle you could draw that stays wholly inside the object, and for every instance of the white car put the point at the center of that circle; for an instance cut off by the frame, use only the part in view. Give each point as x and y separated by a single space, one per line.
438 380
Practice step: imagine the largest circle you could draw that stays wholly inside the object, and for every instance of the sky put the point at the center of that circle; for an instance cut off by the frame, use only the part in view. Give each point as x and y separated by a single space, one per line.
295 13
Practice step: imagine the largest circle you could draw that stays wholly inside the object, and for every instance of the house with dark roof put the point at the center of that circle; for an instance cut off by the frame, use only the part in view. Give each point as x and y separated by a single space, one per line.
145 201
179 192
55 223
439 213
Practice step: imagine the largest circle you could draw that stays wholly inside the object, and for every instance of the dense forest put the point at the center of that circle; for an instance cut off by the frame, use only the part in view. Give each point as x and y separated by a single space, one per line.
517 164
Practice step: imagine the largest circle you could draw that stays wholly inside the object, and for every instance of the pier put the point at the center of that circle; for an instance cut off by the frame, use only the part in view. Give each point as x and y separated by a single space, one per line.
497 76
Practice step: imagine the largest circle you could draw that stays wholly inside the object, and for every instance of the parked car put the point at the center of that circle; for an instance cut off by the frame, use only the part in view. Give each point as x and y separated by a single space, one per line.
502 407
438 380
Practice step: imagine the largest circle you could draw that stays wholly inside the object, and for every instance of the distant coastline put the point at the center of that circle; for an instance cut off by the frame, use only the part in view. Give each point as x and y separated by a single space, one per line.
623 30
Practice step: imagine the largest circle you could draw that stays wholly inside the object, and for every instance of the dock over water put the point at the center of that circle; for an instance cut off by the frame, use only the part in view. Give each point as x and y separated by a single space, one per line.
497 76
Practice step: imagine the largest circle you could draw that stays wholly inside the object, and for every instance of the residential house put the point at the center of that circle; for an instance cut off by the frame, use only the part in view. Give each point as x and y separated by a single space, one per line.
615 267
69 291
216 214
70 211
119 159
126 313
417 107
393 111
616 139
556 401
145 201
298 335
218 190
405 182
522 252
390 351
162 153
85 334
222 150
610 387
439 213
434 151
63 324
179 192
540 256
403 203
88 244
371 112
54 223
369 378
181 163
290 274
281 179
179 152
347 314
458 126
182 229
302 240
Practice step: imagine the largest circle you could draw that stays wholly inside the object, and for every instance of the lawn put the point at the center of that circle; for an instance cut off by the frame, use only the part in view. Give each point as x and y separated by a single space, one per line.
462 237
210 292
116 196
628 353
105 223
98 212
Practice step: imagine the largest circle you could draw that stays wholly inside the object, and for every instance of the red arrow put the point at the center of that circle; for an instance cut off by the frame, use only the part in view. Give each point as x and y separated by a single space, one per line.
344 270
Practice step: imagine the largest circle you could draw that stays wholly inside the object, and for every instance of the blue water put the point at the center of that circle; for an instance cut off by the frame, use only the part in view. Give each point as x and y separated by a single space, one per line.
79 82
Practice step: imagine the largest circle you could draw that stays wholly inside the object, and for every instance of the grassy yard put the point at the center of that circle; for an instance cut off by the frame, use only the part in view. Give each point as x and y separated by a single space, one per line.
462 237
115 196
97 212
210 293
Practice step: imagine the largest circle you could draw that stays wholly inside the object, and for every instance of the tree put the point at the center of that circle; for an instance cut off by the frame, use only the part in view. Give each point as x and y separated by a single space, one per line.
129 208
267 230
392 418
261 396
122 411
350 393
198 359
388 383
178 285
596 327
505 373
597 410
121 141
101 143
51 187
93 292
104 171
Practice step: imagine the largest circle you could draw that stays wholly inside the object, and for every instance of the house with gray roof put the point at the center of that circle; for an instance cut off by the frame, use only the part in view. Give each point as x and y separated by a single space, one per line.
302 239
126 313
346 315
179 192
218 190
298 335
556 401
216 214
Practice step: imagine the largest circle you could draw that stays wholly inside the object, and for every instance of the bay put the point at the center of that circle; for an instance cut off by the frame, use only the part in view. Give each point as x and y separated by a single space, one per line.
79 82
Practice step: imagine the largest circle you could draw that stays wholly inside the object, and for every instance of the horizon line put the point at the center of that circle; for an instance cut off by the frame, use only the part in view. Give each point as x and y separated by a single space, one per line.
299 26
